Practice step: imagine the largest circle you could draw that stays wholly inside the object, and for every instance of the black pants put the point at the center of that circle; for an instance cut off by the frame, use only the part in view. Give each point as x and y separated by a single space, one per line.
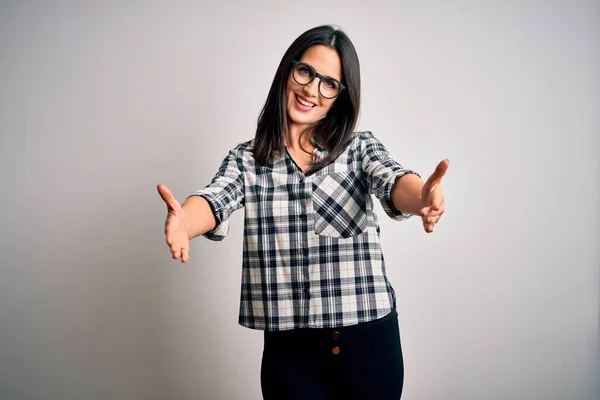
362 361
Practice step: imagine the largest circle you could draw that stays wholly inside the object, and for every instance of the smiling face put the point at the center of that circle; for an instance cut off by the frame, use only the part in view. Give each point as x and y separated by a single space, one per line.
304 104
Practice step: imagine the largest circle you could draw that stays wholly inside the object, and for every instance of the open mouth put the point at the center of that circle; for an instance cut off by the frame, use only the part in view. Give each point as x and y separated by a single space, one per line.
303 104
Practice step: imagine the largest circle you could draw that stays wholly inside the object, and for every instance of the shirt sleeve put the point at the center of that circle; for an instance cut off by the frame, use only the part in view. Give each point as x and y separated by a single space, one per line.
381 172
225 193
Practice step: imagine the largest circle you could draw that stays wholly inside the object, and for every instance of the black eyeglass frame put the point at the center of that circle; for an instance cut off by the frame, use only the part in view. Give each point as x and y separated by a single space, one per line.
315 74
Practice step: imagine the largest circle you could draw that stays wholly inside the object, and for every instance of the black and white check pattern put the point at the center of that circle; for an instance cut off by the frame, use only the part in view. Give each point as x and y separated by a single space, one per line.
312 257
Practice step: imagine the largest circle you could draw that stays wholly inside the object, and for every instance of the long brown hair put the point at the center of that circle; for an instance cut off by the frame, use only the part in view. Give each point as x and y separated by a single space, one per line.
335 131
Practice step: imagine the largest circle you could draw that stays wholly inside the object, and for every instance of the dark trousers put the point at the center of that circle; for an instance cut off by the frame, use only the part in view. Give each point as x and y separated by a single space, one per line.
362 361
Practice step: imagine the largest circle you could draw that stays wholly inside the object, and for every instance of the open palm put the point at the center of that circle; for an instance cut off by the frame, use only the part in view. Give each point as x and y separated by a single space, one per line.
176 226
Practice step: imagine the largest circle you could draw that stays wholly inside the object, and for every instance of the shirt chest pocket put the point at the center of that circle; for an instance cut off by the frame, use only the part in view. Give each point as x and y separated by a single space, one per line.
339 205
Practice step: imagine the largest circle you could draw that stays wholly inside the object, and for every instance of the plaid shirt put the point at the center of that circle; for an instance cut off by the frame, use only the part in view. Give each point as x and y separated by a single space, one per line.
312 256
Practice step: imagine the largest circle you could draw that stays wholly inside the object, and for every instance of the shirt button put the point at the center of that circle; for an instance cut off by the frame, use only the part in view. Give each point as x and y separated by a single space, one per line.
305 251
336 350
335 335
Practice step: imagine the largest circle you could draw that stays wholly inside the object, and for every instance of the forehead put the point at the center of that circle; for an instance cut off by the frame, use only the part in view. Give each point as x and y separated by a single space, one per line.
324 60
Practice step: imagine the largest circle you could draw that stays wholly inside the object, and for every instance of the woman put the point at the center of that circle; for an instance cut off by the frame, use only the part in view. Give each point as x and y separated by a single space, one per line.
313 275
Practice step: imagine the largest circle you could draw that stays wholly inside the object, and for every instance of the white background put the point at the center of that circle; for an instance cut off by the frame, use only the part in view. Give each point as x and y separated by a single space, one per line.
101 101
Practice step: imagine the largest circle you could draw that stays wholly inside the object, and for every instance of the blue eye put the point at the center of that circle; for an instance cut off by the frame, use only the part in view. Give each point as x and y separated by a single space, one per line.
330 84
304 71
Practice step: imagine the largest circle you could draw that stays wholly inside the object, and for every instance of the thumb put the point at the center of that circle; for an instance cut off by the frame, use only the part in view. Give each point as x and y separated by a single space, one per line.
167 196
439 172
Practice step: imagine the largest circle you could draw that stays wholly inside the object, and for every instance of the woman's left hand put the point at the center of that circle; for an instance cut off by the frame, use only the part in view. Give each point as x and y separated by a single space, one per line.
432 198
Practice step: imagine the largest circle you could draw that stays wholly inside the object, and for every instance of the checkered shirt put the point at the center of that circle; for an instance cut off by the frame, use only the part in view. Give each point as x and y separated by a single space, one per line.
312 256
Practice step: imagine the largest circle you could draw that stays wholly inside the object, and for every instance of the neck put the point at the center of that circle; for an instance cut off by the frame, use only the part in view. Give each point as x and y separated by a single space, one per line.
292 137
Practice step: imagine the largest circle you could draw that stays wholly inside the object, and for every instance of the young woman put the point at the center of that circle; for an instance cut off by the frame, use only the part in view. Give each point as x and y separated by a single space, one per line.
313 275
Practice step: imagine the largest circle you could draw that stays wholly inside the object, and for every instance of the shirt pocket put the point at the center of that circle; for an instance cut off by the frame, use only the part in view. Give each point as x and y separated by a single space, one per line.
339 203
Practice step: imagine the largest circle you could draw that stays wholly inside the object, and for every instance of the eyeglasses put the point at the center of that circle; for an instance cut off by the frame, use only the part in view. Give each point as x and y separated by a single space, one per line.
304 74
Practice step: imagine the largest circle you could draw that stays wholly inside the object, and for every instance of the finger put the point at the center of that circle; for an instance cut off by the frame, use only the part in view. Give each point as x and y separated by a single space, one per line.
172 235
185 254
437 213
425 211
168 198
428 227
433 220
439 172
176 250
174 245
437 201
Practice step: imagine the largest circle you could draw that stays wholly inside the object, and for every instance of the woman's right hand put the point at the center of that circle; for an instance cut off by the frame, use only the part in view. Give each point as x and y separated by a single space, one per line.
176 226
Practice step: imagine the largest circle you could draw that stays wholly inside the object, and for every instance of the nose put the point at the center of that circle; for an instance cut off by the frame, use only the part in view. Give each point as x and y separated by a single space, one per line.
312 89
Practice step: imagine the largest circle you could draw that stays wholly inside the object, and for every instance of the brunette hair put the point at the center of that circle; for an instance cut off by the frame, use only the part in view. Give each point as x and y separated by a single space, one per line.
335 131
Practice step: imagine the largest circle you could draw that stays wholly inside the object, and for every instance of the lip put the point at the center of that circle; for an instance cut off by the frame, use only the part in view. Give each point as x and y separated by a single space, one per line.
300 106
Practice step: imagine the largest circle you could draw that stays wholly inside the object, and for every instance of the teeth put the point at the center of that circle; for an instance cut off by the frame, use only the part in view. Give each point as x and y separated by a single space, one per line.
305 103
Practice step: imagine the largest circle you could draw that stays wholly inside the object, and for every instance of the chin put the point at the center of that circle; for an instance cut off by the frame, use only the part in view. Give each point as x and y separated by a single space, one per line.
299 120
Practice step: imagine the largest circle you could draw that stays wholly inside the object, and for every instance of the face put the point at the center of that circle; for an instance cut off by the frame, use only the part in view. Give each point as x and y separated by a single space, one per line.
304 103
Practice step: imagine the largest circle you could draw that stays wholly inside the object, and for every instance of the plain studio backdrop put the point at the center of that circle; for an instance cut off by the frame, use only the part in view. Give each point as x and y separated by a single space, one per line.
101 101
